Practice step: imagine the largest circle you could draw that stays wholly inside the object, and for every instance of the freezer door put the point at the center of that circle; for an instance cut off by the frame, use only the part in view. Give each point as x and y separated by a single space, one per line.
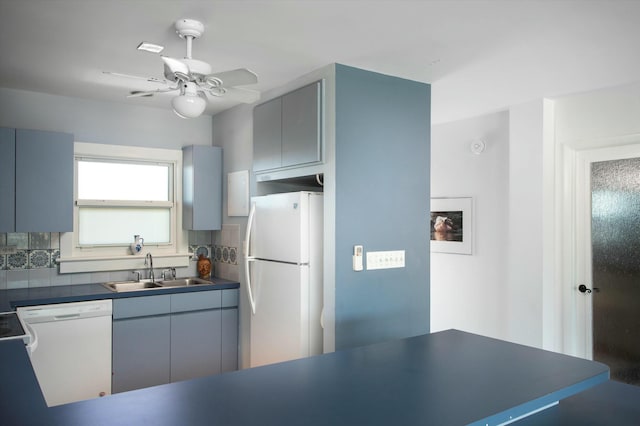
281 227
280 326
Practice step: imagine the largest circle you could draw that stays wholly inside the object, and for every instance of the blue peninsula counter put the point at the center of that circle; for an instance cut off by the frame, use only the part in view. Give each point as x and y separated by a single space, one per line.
444 378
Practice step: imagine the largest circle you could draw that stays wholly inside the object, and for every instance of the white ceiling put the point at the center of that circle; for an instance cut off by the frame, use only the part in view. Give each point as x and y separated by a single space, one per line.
480 56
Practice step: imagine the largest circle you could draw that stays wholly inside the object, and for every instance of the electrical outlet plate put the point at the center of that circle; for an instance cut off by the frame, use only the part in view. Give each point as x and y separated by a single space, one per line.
8 250
385 259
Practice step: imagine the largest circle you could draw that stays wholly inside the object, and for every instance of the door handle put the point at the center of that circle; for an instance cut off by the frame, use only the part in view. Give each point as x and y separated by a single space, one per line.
584 289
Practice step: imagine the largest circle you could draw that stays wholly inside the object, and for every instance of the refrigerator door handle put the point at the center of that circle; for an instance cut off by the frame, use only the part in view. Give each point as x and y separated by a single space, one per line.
248 258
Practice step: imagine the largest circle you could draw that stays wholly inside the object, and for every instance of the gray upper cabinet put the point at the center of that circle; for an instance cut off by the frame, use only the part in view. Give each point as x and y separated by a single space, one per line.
202 187
7 180
287 131
301 134
42 185
267 135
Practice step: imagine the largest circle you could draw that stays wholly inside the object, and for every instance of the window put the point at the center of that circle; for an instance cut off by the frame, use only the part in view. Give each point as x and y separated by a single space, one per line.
120 192
118 199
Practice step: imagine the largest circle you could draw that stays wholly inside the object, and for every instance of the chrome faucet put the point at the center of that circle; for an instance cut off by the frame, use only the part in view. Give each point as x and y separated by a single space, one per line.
150 264
172 271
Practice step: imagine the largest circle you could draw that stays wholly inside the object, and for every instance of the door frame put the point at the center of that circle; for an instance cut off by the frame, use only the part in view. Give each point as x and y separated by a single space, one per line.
576 251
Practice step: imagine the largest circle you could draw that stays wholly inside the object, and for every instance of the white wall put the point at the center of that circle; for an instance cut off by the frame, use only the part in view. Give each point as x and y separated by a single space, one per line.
102 122
532 303
594 119
469 292
508 287
525 272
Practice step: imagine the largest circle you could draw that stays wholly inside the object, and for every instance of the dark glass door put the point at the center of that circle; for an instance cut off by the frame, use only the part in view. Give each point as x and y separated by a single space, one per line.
615 235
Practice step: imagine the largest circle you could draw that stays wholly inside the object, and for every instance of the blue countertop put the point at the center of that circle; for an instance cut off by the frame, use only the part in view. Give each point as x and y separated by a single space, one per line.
445 378
610 403
11 299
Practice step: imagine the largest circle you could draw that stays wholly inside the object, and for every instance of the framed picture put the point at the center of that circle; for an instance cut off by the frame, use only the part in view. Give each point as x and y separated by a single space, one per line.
451 225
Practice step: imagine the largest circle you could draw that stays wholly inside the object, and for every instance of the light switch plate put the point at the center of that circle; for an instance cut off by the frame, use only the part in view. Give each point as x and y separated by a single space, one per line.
357 258
385 259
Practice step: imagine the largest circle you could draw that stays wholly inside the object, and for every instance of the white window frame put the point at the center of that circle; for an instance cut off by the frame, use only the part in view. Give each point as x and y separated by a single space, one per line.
77 258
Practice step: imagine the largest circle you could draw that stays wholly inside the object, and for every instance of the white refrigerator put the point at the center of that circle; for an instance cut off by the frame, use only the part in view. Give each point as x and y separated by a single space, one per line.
283 268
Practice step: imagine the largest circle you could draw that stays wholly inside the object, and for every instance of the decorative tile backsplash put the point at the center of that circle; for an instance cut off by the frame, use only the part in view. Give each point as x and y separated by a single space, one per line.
31 259
197 250
216 253
18 260
226 252
33 251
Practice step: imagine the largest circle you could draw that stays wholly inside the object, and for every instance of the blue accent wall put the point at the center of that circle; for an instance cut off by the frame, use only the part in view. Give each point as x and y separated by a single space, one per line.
382 136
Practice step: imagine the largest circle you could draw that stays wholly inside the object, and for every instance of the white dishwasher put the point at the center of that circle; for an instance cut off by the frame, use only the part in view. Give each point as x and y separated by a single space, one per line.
72 355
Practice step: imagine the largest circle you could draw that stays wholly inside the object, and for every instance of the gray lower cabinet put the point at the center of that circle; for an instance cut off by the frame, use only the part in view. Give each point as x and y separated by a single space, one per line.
196 330
141 356
168 338
230 303
229 361
141 342
195 344
36 181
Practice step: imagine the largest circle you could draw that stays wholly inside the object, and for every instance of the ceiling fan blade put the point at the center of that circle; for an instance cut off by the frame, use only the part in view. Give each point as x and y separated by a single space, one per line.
246 96
136 77
239 77
175 69
143 93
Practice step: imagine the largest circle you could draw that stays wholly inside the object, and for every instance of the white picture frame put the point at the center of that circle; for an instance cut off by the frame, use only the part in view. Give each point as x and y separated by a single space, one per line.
451 225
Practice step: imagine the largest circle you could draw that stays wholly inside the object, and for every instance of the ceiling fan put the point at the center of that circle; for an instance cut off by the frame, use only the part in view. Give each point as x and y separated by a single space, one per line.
193 79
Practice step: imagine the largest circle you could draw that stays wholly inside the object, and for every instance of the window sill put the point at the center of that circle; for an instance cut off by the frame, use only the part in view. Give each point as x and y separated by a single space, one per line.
121 263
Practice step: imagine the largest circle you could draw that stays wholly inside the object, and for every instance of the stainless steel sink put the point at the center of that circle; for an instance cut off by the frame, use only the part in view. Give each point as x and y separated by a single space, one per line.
119 286
182 282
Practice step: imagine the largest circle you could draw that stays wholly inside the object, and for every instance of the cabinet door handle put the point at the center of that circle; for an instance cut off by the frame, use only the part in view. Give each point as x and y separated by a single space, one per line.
67 316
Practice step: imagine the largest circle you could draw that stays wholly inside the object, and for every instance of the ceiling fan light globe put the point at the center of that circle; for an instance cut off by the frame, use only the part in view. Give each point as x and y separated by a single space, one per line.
188 106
